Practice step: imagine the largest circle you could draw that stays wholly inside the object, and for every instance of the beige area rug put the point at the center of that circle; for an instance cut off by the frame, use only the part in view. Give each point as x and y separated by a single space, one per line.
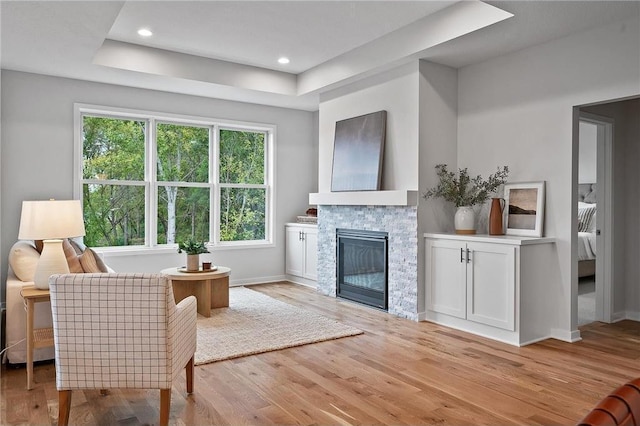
255 323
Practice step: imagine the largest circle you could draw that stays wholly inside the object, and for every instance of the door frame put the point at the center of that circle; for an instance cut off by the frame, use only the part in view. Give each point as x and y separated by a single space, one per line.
604 216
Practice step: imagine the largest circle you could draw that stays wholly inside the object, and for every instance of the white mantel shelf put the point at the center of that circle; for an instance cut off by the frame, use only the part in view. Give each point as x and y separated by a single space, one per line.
365 198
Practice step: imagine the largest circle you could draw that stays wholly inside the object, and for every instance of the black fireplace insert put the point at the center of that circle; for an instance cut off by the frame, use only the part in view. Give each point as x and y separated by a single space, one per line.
362 266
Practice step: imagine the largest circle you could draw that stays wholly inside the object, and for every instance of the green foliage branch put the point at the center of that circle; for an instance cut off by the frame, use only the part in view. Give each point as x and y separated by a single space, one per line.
463 190
192 246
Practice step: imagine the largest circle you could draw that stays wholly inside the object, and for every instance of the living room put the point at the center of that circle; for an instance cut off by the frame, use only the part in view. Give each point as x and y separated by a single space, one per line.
444 106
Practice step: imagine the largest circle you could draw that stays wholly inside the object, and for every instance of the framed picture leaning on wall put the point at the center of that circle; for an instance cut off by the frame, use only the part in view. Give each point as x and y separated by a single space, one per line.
525 208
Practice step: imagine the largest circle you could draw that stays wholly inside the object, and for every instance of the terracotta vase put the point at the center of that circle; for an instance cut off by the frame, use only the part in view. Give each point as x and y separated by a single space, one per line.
465 220
495 217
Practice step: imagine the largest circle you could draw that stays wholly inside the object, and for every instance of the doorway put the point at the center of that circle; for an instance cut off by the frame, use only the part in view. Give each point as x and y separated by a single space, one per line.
595 229
617 128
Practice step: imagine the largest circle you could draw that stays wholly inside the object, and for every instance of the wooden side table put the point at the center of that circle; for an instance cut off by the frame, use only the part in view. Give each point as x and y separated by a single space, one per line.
39 337
210 288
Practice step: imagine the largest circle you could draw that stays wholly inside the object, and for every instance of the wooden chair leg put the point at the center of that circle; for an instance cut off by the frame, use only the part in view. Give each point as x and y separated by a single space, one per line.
64 406
189 369
165 406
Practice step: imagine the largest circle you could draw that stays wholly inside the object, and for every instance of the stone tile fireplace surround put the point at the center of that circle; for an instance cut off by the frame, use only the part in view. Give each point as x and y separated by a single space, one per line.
401 223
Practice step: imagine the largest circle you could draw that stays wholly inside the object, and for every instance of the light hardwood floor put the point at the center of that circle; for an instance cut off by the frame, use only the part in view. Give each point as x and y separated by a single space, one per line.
397 372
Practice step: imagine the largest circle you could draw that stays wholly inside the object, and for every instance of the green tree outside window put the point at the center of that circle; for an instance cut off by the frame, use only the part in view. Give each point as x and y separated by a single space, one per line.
116 185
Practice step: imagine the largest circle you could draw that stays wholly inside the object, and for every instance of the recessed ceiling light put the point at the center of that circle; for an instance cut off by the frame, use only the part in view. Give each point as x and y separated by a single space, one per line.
283 60
145 32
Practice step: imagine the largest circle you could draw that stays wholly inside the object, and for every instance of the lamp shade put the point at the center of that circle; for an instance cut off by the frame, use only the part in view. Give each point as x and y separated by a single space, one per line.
52 219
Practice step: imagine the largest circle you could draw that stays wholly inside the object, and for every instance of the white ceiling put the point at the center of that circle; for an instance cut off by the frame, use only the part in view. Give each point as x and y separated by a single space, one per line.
198 46
258 32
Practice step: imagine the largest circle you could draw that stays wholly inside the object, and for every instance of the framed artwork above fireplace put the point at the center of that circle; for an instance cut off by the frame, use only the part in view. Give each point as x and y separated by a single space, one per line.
357 153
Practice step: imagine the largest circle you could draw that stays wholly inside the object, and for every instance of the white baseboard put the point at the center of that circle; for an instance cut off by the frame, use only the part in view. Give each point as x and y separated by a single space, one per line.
257 280
618 316
302 281
627 315
536 340
565 335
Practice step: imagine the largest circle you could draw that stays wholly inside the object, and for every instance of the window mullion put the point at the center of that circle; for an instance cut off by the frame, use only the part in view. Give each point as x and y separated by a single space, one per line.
214 152
269 169
243 185
151 237
78 174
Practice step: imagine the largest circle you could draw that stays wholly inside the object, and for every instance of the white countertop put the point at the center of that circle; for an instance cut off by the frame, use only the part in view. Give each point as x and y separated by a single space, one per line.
496 239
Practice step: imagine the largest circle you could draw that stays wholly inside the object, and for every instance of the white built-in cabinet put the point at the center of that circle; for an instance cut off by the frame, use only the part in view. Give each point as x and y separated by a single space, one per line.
489 285
301 259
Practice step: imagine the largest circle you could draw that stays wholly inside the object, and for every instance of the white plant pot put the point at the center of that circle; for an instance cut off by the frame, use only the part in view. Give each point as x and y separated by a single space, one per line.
193 262
465 220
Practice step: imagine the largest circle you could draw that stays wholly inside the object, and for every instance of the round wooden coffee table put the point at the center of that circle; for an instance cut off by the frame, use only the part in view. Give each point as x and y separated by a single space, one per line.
211 288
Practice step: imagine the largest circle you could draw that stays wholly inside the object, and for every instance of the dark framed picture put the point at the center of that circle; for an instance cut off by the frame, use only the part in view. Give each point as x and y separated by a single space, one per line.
357 153
525 208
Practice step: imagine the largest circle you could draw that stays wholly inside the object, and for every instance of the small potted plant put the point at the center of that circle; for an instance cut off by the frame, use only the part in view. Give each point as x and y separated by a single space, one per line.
465 192
194 248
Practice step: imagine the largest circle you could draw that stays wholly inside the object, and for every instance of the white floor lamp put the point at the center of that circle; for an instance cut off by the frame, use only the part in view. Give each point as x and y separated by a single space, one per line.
51 221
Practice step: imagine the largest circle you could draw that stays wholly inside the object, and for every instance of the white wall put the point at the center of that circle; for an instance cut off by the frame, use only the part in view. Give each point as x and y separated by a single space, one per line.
397 93
37 158
630 133
587 158
438 112
2 260
438 121
517 110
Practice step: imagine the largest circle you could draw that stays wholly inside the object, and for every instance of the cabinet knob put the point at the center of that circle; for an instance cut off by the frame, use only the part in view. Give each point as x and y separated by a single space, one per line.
468 256
461 255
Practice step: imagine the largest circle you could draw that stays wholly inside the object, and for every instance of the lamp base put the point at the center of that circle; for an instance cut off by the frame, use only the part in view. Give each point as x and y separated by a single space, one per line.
52 261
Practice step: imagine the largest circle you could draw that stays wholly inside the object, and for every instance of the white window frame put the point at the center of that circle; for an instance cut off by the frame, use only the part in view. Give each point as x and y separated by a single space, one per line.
151 183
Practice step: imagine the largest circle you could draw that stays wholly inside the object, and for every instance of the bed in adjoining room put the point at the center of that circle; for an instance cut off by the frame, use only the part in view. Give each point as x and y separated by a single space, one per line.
586 229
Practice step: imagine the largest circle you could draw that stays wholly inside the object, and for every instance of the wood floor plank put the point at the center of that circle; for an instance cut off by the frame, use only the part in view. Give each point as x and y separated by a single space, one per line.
398 372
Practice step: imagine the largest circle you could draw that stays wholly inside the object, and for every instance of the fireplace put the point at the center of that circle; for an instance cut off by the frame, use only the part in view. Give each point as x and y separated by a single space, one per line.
361 267
401 225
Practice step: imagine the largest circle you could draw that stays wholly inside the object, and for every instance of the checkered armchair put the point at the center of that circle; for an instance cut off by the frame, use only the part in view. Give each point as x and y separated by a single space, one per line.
120 331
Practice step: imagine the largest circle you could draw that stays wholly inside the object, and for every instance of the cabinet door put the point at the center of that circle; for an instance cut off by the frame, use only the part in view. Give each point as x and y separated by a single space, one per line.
311 254
294 251
445 277
491 282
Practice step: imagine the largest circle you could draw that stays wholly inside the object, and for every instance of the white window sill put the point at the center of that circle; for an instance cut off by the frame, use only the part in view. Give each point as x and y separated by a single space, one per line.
140 250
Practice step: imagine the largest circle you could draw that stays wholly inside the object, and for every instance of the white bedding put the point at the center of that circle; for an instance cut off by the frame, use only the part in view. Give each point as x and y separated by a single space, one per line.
586 245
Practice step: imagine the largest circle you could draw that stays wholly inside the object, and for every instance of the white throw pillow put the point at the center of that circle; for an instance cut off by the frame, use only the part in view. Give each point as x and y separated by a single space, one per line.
23 259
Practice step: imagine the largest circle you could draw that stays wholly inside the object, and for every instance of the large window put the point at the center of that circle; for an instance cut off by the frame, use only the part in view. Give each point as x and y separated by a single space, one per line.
149 180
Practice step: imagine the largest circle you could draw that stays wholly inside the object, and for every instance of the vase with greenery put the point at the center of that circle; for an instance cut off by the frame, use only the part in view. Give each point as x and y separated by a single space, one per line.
465 192
193 248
